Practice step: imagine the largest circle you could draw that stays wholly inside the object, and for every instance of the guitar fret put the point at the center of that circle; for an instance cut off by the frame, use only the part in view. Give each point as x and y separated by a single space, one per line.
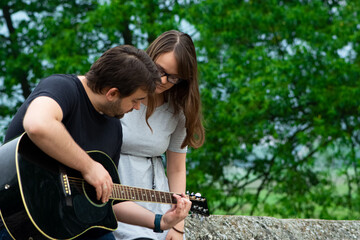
152 196
134 196
146 195
141 195
113 194
171 198
123 193
157 196
132 193
162 196
127 193
168 198
163 200
118 192
138 194
121 189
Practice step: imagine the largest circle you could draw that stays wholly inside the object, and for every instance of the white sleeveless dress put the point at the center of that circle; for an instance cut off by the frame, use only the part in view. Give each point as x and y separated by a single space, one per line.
141 162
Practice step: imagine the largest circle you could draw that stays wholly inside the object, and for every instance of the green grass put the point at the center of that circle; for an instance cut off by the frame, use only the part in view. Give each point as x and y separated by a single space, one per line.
282 206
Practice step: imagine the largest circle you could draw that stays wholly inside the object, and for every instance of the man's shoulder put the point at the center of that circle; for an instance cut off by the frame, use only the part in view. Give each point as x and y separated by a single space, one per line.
60 78
59 85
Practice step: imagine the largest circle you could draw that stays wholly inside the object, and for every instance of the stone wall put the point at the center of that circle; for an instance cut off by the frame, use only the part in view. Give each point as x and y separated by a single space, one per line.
257 228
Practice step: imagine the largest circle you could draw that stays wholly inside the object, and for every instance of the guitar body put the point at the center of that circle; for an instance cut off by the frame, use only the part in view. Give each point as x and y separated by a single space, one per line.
43 199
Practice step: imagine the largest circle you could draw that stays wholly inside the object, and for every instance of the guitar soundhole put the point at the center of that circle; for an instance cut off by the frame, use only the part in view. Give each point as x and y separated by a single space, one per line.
90 193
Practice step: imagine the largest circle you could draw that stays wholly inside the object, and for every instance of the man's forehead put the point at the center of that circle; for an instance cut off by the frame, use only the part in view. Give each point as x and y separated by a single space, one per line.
140 98
139 94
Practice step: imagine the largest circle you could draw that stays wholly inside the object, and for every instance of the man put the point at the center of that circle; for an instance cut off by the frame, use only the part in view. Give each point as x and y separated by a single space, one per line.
73 114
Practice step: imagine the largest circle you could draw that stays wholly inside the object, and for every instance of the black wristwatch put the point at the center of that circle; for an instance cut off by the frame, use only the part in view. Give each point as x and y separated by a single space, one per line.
157 221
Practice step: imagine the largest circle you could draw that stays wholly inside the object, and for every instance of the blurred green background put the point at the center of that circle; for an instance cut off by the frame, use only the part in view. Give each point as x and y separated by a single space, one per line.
279 84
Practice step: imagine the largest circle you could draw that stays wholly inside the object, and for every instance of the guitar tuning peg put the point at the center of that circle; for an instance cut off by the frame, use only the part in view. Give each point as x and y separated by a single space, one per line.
198 195
187 192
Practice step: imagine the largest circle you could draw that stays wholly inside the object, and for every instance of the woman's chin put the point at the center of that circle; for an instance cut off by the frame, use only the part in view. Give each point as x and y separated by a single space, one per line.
159 90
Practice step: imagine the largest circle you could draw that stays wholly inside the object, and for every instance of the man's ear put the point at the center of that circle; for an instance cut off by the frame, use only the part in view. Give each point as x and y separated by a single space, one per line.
112 94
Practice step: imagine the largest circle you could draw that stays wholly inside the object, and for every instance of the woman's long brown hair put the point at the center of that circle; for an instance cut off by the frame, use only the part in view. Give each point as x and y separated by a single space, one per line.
184 96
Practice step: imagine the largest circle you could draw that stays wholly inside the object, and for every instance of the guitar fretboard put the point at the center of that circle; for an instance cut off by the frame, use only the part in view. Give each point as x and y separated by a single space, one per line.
122 192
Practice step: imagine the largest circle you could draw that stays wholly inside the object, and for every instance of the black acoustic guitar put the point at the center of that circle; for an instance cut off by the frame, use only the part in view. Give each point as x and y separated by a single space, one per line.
43 199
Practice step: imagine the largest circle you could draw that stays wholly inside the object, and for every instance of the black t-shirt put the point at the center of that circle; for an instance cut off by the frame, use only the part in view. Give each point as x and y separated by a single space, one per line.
90 129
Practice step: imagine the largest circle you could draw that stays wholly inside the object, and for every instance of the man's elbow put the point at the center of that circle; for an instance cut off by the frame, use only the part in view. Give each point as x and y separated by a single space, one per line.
35 128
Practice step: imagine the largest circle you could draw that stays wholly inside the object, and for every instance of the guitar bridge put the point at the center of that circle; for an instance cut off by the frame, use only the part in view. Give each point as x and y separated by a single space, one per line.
65 184
64 179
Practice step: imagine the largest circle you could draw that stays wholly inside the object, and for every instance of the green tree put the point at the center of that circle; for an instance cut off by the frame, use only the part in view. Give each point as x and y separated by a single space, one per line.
29 27
279 87
40 38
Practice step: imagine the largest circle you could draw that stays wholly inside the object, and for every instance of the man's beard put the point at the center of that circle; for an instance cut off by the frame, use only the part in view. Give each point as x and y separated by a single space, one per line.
110 110
119 116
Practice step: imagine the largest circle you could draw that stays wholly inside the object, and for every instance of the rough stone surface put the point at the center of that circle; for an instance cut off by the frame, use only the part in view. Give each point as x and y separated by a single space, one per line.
256 228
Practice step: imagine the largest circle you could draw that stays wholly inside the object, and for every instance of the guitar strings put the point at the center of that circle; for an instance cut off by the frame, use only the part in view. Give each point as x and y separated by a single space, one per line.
80 181
122 192
125 191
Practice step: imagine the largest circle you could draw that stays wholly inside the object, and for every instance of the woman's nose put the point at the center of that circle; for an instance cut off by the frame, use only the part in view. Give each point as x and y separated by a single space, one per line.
163 79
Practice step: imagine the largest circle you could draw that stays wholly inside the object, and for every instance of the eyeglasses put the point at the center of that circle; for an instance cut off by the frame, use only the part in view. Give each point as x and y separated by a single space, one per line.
169 77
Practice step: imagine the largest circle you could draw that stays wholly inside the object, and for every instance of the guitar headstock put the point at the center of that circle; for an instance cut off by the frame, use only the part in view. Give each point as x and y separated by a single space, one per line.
199 204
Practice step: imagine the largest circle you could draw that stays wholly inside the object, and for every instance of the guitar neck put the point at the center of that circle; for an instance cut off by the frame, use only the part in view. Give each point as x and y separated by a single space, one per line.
122 192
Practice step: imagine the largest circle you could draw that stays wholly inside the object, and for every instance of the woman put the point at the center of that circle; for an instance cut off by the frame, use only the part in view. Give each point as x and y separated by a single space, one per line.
175 124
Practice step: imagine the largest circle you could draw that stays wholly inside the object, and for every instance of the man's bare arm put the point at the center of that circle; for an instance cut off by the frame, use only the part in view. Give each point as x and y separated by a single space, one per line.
42 123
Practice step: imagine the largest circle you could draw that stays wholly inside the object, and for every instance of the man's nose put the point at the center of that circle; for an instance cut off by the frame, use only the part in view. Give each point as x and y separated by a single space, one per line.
137 106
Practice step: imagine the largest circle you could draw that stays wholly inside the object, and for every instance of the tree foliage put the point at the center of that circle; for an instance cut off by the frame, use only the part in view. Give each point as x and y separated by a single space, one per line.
279 85
40 38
